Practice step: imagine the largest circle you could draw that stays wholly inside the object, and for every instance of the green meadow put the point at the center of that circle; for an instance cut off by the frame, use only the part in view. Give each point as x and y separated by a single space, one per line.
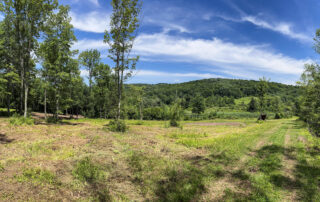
220 160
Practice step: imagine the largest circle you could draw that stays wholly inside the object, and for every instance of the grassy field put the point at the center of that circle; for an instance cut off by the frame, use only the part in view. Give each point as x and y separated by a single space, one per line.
221 160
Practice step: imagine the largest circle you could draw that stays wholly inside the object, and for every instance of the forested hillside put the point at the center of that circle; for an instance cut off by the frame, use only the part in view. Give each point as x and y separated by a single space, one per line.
216 89
211 96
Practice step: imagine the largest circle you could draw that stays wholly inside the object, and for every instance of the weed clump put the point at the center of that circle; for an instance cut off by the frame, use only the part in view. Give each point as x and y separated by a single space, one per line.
118 126
86 171
17 120
37 175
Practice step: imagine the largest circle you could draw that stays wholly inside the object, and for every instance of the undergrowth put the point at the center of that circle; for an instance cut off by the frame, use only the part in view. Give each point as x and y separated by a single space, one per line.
17 120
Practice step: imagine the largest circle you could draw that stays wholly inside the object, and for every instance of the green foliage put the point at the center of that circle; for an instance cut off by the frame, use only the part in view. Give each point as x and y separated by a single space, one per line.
17 120
38 176
262 89
278 116
60 71
198 105
86 171
253 105
176 114
118 126
310 109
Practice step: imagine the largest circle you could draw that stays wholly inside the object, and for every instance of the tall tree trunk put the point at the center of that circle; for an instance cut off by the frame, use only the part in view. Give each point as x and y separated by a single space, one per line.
8 104
118 85
25 99
45 103
57 109
21 87
141 115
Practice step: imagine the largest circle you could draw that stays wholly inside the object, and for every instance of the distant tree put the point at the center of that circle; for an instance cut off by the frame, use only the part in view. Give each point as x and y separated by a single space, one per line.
60 70
253 105
102 88
90 59
123 26
198 105
262 92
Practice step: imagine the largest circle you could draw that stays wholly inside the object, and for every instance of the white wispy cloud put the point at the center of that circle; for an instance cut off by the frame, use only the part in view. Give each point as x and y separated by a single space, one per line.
85 44
90 22
175 75
95 2
225 57
280 27
218 53
84 73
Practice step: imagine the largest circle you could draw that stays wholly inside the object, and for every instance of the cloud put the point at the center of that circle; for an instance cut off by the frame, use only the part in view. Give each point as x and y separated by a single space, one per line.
150 76
220 56
217 53
85 44
90 22
280 27
175 75
84 73
95 2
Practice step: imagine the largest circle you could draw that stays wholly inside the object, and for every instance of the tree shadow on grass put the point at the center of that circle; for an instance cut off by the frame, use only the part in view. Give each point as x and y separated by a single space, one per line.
188 183
5 140
305 180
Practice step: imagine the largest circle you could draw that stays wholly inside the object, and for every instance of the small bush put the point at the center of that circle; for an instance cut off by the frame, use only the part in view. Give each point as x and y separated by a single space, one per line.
86 171
278 116
174 123
17 120
117 126
213 115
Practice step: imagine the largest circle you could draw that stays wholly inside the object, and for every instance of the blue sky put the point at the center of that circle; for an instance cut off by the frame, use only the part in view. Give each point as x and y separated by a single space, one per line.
183 40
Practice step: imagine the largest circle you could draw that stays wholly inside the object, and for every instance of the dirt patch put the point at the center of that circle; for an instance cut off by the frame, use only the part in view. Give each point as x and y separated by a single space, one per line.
217 124
302 139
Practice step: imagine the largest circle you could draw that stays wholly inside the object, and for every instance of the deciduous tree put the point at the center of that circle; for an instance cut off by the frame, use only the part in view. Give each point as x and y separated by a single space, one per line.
123 26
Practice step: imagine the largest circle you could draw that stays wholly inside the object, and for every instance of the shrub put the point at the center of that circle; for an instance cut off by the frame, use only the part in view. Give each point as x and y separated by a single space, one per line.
213 115
174 123
118 126
176 114
17 120
86 171
278 116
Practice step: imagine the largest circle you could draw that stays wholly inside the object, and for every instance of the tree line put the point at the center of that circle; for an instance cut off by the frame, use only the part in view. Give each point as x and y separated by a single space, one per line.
39 70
